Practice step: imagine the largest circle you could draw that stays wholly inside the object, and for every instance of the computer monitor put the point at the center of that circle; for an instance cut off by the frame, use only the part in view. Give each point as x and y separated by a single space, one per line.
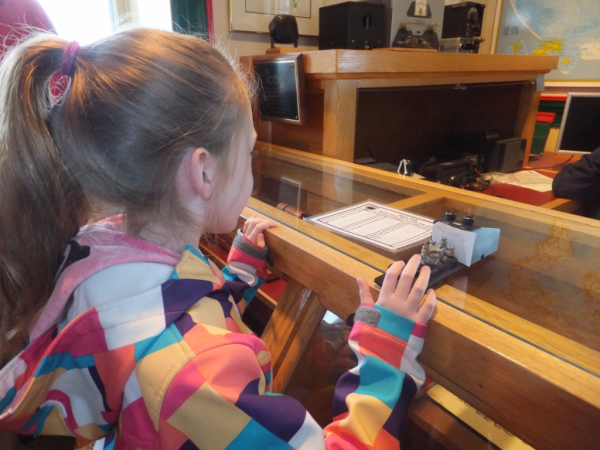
580 127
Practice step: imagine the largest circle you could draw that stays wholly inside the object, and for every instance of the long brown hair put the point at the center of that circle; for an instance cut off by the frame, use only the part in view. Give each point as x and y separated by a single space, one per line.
137 102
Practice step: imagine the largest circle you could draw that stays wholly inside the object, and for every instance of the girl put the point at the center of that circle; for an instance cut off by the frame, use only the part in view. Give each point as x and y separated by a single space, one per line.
133 335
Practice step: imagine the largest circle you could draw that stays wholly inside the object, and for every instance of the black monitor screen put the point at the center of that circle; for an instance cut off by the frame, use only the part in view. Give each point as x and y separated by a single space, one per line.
581 125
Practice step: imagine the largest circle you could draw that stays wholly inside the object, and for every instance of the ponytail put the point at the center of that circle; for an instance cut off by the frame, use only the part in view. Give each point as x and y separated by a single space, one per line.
40 204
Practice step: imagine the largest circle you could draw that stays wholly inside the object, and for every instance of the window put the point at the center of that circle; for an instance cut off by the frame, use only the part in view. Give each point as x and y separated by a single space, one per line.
81 21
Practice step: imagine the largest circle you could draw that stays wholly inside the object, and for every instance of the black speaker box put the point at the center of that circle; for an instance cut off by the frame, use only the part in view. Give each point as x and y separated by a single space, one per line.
463 20
508 155
352 25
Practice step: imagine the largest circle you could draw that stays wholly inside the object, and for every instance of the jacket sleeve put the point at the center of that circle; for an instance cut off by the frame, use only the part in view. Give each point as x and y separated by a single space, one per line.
220 398
371 401
581 180
246 270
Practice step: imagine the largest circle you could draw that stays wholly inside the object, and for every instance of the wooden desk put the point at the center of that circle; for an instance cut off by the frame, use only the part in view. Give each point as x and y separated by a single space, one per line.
335 77
551 163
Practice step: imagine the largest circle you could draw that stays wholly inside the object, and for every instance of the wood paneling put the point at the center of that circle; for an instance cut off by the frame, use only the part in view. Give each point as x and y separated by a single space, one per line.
293 323
308 138
342 72
321 63
524 389
444 427
339 121
537 335
527 116
416 123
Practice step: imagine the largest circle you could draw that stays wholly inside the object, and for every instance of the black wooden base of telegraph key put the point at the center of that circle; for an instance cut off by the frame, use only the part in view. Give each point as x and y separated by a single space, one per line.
438 272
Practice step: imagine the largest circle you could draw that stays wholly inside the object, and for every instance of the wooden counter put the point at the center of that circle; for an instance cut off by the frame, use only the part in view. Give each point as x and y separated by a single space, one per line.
516 335
335 77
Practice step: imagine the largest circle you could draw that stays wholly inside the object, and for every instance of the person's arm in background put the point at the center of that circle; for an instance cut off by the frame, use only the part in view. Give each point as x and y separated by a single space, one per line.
581 180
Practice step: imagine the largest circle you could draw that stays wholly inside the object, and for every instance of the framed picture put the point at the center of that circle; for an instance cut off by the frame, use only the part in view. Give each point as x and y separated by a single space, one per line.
255 15
281 88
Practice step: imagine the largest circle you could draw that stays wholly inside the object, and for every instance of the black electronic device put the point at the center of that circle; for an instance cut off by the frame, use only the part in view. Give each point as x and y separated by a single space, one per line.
476 143
417 23
438 256
352 25
463 20
452 173
283 29
494 154
447 267
579 131
508 155
460 45
453 251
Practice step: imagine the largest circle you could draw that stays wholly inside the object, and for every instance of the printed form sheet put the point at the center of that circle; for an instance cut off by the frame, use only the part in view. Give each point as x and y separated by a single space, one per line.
377 224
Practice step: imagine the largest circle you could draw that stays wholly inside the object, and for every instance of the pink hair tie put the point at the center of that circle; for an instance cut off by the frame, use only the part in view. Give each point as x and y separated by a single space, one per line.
68 58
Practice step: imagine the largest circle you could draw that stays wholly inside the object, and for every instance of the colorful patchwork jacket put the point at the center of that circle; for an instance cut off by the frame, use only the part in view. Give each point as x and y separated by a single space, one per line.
147 363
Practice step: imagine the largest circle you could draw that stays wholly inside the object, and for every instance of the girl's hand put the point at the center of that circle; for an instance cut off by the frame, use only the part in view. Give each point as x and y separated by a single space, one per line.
396 293
254 229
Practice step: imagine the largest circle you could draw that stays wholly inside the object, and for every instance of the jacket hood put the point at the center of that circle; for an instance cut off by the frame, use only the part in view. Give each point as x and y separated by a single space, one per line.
96 247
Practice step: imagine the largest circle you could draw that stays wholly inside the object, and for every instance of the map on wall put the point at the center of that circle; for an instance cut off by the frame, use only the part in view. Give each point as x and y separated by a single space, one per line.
567 28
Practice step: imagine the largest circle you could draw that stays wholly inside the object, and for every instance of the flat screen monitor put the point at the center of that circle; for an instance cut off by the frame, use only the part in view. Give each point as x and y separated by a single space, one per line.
580 128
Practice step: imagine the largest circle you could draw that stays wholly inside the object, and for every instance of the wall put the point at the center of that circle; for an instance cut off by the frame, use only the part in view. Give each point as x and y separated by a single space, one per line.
240 43
152 13
243 44
497 5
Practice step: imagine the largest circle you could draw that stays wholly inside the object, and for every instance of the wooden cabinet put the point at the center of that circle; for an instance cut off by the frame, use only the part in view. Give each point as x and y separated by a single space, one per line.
343 83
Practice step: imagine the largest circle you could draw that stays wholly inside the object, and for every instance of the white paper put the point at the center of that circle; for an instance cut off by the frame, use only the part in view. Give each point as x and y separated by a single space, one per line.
532 177
463 241
377 224
537 187
528 179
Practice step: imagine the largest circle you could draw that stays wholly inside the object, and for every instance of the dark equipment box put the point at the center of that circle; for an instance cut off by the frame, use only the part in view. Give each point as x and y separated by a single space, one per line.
352 25
463 20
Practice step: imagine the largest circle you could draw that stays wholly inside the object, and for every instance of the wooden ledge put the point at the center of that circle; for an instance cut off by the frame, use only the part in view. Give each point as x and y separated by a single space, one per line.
362 62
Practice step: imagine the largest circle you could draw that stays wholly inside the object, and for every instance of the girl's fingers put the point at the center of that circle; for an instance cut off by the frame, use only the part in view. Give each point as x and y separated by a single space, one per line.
260 240
258 228
426 310
247 224
364 291
407 277
390 281
418 289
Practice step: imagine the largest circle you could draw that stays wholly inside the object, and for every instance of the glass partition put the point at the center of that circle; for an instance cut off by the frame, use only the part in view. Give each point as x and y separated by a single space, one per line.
541 286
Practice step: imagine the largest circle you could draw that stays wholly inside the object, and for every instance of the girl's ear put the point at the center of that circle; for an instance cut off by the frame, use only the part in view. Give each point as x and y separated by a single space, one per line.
202 173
